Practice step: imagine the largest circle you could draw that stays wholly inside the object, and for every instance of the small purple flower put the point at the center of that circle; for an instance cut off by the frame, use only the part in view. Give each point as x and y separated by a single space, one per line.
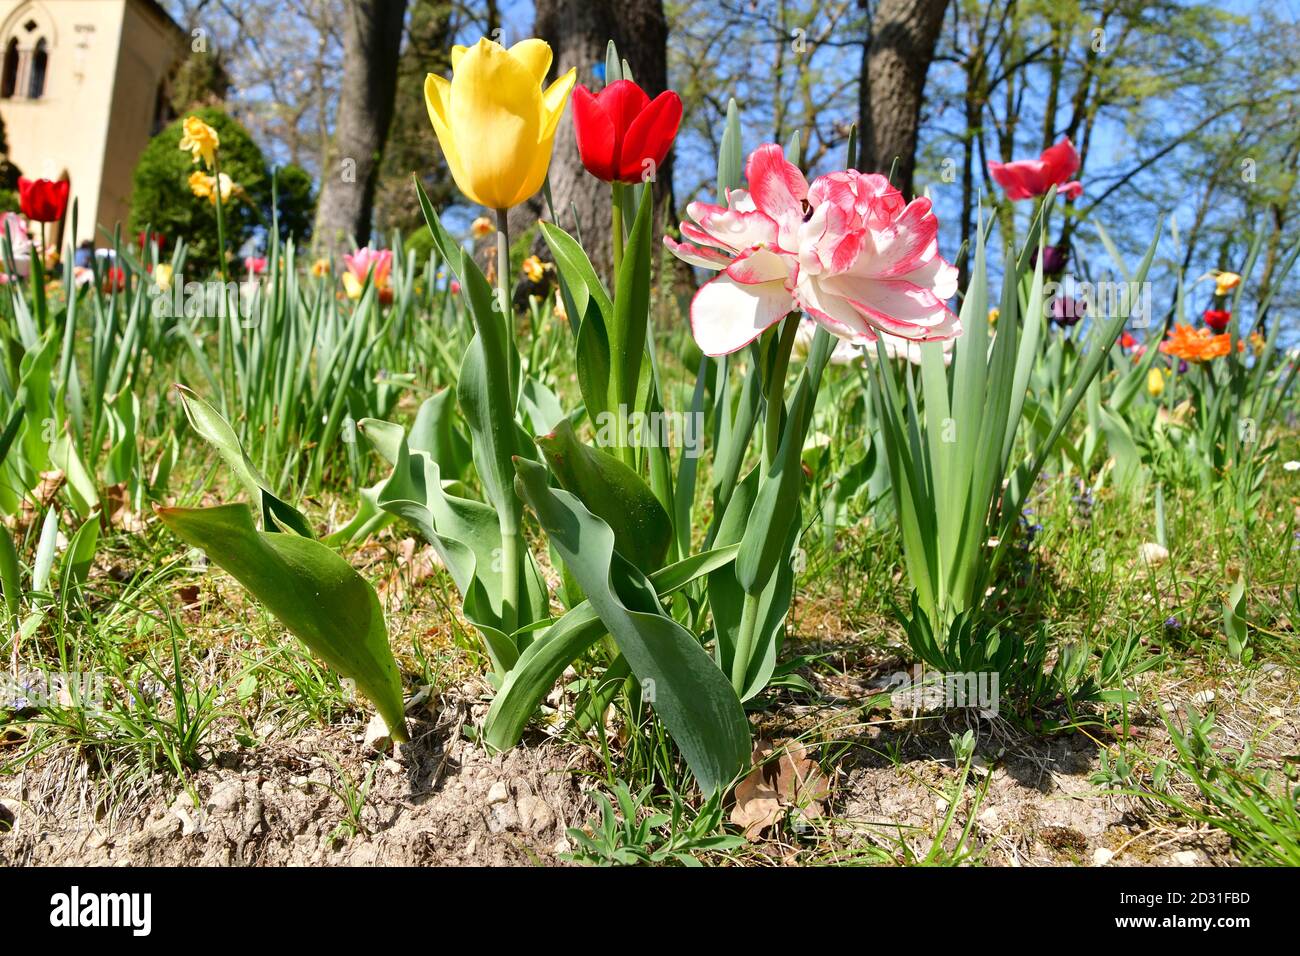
1173 625
1182 367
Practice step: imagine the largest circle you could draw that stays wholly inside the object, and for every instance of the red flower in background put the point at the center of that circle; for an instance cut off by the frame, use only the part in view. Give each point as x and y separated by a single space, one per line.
114 279
255 265
622 134
1217 319
1027 178
43 200
144 239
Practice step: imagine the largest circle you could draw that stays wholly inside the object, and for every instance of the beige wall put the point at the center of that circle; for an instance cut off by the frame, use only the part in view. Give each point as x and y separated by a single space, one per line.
106 60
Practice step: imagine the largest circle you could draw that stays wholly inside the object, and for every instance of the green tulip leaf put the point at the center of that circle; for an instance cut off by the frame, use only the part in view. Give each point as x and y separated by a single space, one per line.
312 591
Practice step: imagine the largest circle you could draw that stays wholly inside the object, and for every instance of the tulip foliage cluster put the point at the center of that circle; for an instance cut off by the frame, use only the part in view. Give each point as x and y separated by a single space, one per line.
833 371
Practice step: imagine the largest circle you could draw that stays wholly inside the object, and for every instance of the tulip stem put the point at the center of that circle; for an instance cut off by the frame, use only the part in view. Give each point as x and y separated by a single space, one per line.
512 539
776 391
503 292
616 207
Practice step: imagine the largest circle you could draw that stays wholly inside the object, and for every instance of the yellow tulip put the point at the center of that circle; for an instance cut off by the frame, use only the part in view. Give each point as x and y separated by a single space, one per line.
320 268
200 140
495 124
993 315
1155 383
162 276
352 286
1225 282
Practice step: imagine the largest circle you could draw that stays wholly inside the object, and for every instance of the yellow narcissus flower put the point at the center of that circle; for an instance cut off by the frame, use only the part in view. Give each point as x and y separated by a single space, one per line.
533 269
200 140
162 276
495 124
320 268
993 315
1225 282
480 227
204 186
1155 383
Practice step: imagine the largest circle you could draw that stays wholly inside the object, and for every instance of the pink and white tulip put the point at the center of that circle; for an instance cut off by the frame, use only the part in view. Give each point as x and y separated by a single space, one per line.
848 251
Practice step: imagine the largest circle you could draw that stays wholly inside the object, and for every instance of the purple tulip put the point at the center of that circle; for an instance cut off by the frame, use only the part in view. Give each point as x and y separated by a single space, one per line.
1067 312
1055 259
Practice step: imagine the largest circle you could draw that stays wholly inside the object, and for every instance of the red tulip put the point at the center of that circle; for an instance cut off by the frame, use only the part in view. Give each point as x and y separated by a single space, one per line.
43 200
1027 178
622 134
1127 342
1217 319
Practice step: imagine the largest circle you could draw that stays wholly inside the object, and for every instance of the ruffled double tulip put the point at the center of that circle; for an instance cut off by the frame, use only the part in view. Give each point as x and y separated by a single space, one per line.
494 122
43 200
1028 178
623 135
848 251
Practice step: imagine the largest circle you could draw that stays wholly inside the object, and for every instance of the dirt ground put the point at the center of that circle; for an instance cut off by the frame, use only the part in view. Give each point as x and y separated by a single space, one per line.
442 800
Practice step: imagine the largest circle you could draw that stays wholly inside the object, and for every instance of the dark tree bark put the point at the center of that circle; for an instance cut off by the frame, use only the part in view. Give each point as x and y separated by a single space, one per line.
896 56
372 40
578 32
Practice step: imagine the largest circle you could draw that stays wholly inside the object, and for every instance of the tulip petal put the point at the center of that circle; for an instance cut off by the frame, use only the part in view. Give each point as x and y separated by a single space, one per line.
899 307
437 99
758 266
496 107
702 256
535 55
1060 162
905 245
649 137
457 52
778 190
732 229
594 131
553 102
727 315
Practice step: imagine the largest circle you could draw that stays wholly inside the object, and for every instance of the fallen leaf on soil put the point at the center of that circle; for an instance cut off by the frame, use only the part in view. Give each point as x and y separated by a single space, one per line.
117 504
790 781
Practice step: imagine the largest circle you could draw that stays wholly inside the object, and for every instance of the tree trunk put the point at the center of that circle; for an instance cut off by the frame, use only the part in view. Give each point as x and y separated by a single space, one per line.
372 39
578 32
895 59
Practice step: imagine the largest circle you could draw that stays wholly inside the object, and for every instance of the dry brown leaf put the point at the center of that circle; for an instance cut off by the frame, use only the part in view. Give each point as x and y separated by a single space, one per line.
783 778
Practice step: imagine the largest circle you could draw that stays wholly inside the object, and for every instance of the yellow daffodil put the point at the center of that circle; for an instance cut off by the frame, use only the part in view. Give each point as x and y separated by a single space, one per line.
200 140
533 269
993 315
204 186
495 124
162 276
1225 282
1155 383
320 268
480 227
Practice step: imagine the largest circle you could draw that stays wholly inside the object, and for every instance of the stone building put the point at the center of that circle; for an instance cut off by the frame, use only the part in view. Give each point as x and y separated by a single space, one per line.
83 86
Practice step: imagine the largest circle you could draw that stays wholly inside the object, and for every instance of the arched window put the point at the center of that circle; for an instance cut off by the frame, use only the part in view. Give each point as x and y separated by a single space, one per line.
40 60
9 76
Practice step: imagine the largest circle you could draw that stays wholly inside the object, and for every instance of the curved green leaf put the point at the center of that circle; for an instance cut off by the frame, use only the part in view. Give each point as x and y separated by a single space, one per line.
311 590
